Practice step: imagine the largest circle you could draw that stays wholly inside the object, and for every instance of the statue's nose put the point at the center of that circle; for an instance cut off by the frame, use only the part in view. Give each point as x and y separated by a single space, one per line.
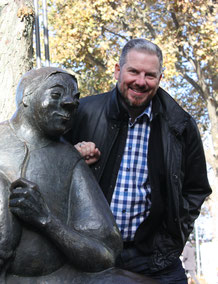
69 102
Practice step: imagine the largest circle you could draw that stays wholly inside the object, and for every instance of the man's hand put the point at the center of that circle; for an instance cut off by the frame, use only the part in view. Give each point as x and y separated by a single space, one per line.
27 203
88 150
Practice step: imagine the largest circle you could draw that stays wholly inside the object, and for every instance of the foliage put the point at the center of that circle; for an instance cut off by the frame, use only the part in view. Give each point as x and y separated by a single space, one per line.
87 37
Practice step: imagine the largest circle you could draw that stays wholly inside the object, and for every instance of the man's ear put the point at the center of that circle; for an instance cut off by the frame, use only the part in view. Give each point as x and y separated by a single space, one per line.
161 75
116 71
160 78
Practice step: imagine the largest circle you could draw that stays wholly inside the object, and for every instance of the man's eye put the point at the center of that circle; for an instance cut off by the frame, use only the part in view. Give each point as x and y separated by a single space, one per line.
151 76
55 95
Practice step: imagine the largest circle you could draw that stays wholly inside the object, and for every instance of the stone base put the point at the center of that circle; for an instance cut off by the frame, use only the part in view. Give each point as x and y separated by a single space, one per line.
67 275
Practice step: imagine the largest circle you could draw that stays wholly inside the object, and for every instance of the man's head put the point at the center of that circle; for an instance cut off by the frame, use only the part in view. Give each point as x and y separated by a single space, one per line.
47 97
139 72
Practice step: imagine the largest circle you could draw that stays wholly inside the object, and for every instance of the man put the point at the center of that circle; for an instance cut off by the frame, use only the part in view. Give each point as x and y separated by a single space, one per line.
56 226
152 167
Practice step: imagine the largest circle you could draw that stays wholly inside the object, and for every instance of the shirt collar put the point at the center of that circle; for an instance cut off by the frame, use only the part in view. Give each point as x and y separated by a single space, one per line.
146 114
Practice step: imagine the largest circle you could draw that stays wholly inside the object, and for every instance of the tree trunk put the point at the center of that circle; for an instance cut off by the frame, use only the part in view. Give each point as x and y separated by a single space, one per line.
212 111
16 52
212 159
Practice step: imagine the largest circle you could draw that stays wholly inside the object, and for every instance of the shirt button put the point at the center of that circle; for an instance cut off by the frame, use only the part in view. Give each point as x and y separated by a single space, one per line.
123 211
126 189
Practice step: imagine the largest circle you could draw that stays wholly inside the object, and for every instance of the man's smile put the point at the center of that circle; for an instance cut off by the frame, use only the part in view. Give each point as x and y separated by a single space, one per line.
138 91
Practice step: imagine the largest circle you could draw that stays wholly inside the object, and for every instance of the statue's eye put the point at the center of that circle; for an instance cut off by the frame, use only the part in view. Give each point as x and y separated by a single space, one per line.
55 95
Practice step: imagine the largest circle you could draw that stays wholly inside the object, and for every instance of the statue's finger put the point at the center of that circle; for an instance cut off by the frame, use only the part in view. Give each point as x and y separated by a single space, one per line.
16 202
22 182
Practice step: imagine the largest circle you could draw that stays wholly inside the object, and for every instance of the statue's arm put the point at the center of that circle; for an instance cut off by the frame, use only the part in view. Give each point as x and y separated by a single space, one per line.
84 248
10 230
89 212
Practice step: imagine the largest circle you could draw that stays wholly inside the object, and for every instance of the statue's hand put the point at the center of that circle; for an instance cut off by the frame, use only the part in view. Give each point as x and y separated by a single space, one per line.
27 203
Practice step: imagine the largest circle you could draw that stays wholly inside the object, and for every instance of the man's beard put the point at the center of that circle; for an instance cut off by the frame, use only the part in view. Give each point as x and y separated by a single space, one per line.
134 105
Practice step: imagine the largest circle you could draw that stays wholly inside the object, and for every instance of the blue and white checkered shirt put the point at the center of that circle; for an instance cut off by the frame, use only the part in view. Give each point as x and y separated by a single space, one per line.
131 200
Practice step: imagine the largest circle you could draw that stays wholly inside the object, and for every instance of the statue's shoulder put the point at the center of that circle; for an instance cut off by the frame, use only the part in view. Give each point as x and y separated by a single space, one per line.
10 147
66 151
4 126
7 134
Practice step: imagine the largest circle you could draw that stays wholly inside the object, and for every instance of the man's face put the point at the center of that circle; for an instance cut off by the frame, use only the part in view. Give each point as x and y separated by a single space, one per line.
139 78
54 104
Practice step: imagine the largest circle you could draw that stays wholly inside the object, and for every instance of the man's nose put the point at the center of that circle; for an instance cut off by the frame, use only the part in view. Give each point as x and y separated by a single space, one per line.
140 80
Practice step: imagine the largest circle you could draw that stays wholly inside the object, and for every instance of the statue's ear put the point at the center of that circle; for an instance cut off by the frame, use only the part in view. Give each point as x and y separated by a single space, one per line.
25 101
26 98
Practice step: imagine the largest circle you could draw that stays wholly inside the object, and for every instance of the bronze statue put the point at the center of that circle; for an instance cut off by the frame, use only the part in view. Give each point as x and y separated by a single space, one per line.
56 226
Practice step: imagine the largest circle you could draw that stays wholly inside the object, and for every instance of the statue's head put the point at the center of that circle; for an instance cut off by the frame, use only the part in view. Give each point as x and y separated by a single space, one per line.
48 98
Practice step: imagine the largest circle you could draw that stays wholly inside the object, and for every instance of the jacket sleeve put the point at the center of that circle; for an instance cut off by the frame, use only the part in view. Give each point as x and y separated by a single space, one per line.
195 185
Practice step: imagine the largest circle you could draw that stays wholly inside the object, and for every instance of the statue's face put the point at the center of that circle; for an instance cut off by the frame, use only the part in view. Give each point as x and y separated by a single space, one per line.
54 104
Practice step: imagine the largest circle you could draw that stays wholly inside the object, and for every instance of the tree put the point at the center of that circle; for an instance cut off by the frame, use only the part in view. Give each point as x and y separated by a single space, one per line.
88 36
16 28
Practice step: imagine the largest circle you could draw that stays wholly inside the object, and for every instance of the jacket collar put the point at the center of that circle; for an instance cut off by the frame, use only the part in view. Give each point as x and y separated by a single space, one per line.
172 113
115 110
162 104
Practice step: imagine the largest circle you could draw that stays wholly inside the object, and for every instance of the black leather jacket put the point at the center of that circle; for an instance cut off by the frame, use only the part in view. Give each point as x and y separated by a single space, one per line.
176 165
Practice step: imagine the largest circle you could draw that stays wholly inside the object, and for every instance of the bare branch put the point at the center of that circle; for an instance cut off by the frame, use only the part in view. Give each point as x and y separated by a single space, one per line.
191 81
116 34
96 62
151 29
173 15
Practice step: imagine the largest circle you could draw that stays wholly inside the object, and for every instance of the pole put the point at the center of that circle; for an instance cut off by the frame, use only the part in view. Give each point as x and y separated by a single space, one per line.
45 28
197 250
37 34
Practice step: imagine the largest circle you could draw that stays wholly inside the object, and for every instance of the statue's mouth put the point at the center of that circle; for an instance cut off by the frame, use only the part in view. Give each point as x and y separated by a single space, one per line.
64 116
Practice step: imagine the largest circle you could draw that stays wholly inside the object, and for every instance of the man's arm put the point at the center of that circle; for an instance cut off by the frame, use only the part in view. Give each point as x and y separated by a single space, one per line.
195 187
